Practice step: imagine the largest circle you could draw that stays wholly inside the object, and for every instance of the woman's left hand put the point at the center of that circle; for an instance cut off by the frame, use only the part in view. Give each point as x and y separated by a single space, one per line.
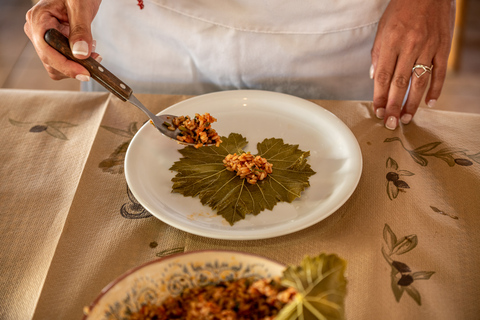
410 33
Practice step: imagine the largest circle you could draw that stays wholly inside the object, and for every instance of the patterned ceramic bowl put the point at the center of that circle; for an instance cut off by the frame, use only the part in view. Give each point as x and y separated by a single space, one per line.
158 279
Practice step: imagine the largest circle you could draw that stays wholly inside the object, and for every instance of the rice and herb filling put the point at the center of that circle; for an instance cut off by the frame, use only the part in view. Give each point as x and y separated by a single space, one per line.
247 166
240 299
197 130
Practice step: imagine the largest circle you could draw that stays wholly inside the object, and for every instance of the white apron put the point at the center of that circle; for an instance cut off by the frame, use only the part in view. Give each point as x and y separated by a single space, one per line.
314 49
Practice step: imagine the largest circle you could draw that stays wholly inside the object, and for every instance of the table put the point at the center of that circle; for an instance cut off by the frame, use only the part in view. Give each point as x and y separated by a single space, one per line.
69 224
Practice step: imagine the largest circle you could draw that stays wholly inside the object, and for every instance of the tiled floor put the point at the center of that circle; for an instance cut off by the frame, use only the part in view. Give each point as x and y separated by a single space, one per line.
21 68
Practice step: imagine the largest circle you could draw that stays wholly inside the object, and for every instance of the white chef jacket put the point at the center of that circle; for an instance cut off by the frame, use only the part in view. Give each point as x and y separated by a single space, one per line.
314 49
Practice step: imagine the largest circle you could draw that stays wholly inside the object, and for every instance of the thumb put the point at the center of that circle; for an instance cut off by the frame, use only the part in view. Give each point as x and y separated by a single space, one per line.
80 15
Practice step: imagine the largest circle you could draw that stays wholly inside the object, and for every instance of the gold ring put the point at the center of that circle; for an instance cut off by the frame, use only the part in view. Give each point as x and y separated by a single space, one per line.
421 66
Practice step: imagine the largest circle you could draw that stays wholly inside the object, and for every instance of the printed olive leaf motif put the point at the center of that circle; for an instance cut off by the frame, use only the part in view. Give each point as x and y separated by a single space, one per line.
405 245
475 157
18 123
168 252
201 173
394 183
451 156
402 277
52 128
129 133
321 284
389 237
401 246
392 164
435 209
114 163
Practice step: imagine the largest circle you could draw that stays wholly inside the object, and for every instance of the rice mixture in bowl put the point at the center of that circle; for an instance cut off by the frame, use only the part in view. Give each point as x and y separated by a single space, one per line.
242 299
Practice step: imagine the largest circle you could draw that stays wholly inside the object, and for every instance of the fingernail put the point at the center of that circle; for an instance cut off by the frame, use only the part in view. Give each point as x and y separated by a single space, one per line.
94 45
380 113
372 69
82 77
431 103
391 123
80 48
406 118
99 58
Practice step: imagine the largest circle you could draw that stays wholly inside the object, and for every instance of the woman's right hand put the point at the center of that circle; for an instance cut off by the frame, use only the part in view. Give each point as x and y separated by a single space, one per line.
73 18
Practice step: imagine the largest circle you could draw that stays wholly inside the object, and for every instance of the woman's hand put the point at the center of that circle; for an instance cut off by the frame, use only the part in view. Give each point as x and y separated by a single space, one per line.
410 33
73 18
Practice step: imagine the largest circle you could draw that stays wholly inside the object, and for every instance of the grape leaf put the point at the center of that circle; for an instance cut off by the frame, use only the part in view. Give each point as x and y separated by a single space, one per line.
321 287
200 172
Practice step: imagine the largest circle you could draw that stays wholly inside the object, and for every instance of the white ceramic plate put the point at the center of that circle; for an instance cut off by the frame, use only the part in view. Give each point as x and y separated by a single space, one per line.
158 279
335 157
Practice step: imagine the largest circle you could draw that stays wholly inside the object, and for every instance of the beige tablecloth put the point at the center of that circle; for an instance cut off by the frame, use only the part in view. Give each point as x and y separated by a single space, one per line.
69 225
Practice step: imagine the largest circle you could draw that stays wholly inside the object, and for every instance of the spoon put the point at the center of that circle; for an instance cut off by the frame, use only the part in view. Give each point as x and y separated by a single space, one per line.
113 84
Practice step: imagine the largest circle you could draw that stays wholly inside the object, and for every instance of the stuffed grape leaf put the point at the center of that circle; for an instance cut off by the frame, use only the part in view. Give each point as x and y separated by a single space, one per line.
201 172
321 286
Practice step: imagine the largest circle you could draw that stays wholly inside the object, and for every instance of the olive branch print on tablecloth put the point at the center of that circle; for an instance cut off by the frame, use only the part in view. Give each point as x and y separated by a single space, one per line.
402 277
395 185
53 128
451 156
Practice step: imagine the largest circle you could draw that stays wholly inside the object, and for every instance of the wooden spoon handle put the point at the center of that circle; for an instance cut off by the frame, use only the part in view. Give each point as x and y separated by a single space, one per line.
98 72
